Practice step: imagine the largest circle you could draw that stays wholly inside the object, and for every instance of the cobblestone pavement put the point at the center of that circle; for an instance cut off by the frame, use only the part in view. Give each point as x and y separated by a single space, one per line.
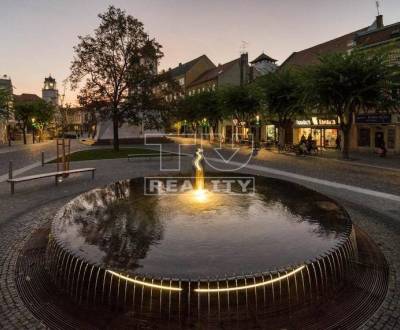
22 156
35 202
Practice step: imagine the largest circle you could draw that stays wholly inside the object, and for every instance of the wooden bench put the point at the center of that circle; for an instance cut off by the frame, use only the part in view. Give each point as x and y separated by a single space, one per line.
56 175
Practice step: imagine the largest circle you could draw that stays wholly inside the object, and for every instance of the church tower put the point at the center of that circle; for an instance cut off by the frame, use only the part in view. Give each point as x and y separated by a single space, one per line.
50 91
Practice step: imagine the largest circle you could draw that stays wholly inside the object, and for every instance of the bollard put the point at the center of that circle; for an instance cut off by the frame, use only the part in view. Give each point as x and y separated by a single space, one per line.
10 170
42 158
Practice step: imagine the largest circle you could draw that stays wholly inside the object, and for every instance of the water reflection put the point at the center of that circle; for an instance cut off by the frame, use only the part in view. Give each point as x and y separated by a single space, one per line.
119 227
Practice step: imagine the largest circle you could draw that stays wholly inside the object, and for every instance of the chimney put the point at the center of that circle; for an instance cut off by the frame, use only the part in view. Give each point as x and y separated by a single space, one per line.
244 62
180 64
379 21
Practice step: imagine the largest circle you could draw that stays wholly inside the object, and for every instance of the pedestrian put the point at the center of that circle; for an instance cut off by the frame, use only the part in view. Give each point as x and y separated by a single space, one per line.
338 142
383 148
309 143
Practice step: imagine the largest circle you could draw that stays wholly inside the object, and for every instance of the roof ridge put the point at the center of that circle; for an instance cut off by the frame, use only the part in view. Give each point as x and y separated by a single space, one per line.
328 41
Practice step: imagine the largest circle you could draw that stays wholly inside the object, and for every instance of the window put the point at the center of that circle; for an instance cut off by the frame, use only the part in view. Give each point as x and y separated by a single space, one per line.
394 57
181 81
364 137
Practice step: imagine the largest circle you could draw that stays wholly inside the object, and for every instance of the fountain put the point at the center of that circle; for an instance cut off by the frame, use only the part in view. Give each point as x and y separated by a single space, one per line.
202 255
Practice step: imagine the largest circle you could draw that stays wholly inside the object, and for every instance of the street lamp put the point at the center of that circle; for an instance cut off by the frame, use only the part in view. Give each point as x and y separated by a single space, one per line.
33 129
258 137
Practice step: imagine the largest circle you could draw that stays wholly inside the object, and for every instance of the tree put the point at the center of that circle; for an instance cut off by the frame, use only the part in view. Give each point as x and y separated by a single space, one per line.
118 66
239 102
201 109
43 115
36 114
5 101
345 84
282 97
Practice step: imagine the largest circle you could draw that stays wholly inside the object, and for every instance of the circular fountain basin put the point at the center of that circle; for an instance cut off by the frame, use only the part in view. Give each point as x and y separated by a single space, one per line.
282 232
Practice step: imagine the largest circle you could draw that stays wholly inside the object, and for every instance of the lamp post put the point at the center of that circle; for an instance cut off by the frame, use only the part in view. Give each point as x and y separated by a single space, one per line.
257 131
33 130
235 123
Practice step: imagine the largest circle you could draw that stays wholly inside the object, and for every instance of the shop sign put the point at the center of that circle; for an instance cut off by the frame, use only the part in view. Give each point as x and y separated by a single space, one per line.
327 122
373 118
303 122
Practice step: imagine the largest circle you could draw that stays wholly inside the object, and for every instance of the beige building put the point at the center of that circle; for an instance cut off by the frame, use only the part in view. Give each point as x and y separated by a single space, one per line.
185 74
236 72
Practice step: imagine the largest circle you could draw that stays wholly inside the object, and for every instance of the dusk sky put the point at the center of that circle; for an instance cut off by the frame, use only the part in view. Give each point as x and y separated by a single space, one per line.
37 36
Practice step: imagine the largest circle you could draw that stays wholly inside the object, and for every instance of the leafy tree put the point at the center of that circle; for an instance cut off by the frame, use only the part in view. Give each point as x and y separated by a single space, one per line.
33 114
4 103
118 66
199 109
282 97
92 108
239 102
43 115
346 84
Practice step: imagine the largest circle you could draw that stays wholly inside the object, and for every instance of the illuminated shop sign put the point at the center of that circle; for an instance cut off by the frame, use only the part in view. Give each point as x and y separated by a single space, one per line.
327 122
303 122
315 121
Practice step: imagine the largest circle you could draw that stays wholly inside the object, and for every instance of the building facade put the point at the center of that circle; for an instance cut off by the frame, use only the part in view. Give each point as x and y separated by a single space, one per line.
368 128
185 74
235 73
7 121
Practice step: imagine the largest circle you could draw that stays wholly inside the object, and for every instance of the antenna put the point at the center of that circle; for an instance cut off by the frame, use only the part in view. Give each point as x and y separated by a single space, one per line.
243 47
378 6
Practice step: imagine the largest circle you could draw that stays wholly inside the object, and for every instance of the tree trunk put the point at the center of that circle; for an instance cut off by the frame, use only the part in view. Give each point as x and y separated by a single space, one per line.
24 133
281 136
346 143
115 131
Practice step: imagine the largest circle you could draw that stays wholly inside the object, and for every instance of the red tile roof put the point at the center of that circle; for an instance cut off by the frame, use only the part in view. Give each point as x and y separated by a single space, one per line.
374 37
310 55
26 97
364 37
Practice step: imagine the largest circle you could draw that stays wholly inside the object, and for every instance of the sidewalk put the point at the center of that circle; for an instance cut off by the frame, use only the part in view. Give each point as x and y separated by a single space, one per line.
366 159
390 162
16 146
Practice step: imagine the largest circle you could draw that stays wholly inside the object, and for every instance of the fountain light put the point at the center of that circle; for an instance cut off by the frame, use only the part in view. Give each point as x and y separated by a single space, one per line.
200 195
252 286
150 285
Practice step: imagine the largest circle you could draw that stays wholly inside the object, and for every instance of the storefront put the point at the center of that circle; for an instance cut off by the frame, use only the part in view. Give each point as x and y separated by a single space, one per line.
370 129
324 131
269 134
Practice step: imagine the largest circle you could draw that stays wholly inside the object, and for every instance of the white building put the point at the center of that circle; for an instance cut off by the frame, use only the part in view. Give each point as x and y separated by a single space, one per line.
50 91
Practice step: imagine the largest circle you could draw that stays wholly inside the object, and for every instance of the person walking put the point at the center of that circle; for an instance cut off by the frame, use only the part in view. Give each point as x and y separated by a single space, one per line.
338 142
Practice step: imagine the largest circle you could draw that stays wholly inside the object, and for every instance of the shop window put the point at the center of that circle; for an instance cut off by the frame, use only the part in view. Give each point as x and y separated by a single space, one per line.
364 137
391 139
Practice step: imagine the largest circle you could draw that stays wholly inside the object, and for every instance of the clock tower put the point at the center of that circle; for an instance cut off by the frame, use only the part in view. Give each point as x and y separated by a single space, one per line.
50 91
